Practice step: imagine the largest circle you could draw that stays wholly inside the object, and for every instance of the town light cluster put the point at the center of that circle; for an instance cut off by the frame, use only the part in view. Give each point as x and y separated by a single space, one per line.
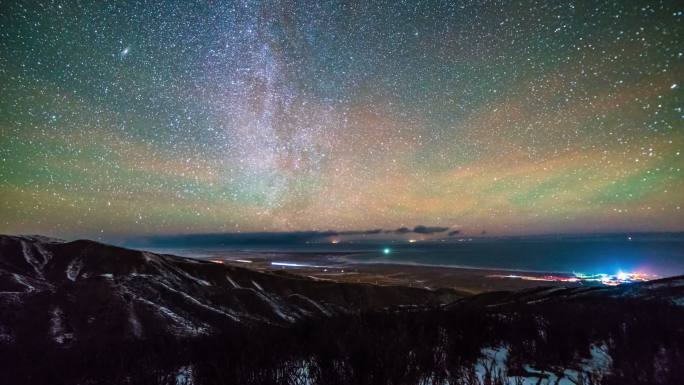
605 279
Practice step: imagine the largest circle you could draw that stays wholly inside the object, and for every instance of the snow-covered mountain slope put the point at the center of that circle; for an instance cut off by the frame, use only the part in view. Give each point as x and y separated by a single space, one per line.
87 313
85 289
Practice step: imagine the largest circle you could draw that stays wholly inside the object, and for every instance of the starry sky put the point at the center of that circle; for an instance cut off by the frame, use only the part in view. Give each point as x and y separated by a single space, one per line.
513 117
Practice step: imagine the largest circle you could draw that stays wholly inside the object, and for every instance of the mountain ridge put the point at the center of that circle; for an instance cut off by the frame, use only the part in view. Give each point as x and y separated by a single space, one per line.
186 295
83 312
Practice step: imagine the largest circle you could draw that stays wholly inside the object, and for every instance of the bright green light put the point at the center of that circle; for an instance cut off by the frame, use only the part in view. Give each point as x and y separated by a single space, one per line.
386 250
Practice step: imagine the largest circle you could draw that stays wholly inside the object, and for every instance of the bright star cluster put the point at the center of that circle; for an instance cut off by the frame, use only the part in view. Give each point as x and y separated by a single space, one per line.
524 116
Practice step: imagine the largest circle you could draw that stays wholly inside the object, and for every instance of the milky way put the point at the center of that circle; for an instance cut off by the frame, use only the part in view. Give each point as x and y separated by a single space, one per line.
171 117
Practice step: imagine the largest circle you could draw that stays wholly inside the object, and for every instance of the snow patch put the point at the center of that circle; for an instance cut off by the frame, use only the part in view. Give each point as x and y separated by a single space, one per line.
314 303
74 269
57 330
31 258
600 362
276 307
179 272
235 285
199 281
141 275
185 376
303 372
257 286
47 256
198 303
494 364
185 326
148 256
22 281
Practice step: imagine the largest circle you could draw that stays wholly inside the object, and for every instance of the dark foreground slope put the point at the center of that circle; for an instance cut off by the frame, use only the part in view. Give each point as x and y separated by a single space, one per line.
83 312
79 290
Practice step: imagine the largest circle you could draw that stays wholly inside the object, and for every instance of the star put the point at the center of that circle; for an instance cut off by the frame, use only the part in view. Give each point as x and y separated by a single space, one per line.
519 117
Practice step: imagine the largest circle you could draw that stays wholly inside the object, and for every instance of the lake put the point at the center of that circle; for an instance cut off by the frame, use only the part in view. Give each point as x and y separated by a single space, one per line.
659 255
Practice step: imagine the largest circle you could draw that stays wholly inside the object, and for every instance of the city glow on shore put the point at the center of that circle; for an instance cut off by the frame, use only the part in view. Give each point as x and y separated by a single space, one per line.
602 278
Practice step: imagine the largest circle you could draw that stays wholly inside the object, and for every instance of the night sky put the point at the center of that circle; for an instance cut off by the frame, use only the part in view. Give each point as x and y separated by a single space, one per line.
512 117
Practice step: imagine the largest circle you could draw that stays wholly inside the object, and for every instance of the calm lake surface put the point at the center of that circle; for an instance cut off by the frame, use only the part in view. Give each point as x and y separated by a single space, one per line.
661 255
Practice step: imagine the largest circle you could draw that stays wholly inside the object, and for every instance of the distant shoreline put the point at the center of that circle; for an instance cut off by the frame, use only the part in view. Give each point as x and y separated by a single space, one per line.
463 279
